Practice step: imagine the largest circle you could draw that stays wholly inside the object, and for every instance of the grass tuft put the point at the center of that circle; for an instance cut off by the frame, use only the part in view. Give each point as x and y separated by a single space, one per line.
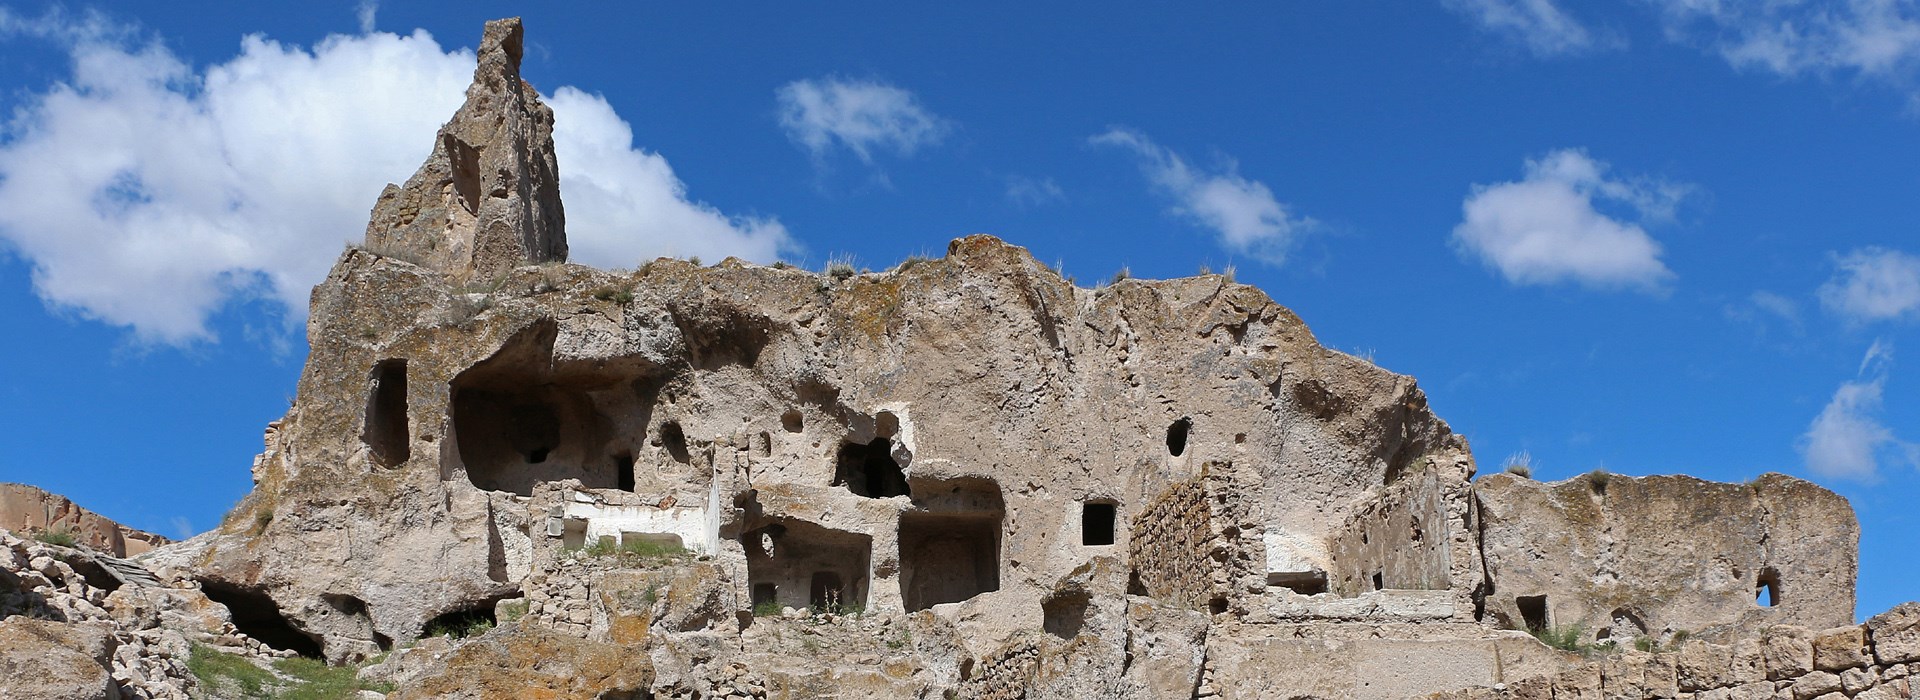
62 538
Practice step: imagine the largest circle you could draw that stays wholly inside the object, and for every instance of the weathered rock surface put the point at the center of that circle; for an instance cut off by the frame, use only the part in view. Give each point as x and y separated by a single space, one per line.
961 477
1628 557
488 199
28 510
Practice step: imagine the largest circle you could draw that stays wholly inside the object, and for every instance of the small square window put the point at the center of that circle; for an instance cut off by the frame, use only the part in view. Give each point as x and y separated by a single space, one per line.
1096 524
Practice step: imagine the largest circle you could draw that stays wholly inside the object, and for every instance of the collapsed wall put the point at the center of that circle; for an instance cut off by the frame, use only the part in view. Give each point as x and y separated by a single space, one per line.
1624 558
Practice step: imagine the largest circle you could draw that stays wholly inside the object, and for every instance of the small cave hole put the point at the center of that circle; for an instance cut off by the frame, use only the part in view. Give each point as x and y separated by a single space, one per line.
763 444
675 440
623 471
792 421
1135 586
1217 606
461 623
1766 589
1533 611
1096 523
765 594
1379 581
1065 616
257 616
826 592
1177 436
385 429
869 470
537 455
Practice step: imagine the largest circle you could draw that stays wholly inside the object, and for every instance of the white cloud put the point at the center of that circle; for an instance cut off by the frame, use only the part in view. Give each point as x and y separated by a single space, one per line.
863 116
1540 25
1243 212
1848 440
1874 284
1879 38
1545 229
623 202
365 12
149 195
1032 192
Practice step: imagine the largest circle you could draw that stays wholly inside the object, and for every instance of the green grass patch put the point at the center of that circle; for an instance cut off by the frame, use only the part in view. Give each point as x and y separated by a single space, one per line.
218 669
297 678
471 624
63 538
1563 637
648 551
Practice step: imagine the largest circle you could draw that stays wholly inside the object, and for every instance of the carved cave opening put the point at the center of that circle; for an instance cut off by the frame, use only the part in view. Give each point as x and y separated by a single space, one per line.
1064 616
460 622
948 557
1097 523
870 470
517 419
385 429
1533 611
1177 436
256 615
798 564
623 471
1766 588
674 439
1624 624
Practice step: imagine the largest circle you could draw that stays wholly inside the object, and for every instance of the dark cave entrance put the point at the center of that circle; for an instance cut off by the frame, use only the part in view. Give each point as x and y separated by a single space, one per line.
869 470
1533 611
385 430
256 615
1097 523
1177 436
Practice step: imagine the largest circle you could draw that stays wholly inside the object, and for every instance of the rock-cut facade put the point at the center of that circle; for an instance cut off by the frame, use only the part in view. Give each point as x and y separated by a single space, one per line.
964 476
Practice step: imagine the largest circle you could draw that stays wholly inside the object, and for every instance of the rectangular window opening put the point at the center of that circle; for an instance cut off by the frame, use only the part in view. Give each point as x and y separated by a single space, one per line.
1097 523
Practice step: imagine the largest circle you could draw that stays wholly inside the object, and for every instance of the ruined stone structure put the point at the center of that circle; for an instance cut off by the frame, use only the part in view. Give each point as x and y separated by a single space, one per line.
961 477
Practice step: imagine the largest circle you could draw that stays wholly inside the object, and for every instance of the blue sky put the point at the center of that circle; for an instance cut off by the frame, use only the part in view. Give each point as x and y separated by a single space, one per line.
1651 237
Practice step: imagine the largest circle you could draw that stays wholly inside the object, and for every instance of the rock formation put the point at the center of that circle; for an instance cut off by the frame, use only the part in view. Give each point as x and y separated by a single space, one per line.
27 510
961 477
488 199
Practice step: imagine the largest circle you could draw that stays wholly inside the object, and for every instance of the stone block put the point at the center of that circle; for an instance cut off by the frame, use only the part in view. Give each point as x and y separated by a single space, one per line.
1841 648
1896 634
1745 663
1787 652
1815 684
1702 666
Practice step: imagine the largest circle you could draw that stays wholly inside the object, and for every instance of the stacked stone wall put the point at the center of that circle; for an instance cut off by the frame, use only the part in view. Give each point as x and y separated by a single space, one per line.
1874 661
1173 535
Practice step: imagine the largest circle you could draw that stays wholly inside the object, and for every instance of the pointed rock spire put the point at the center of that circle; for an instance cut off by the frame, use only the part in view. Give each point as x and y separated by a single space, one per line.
488 199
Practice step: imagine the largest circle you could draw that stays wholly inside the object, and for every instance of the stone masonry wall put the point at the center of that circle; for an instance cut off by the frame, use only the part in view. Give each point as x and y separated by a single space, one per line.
1172 536
1874 661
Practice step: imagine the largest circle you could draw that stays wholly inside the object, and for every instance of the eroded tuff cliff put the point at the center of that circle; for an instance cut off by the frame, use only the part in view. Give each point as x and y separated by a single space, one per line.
29 510
964 475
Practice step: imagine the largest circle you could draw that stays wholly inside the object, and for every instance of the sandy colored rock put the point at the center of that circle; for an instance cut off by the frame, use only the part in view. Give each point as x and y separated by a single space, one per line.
1896 634
960 477
1627 557
1841 648
54 660
28 511
488 198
